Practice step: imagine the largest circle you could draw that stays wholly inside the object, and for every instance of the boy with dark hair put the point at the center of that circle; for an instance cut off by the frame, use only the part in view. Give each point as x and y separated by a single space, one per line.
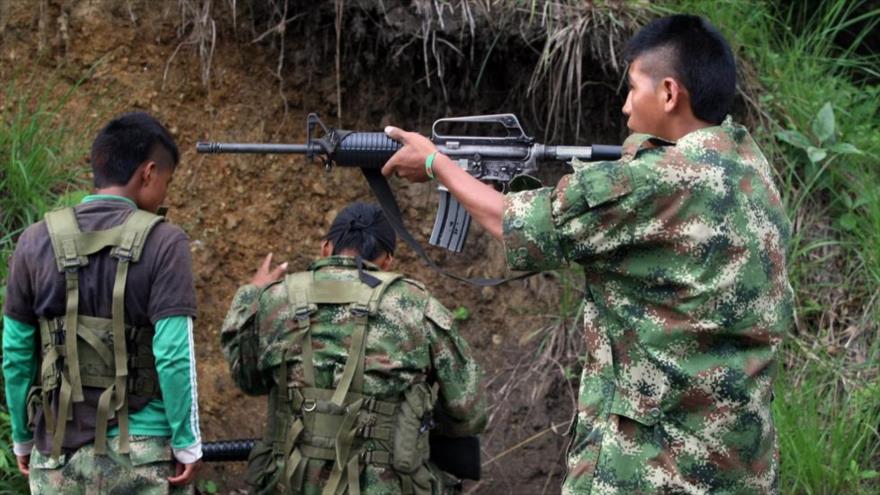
355 359
691 52
683 242
97 345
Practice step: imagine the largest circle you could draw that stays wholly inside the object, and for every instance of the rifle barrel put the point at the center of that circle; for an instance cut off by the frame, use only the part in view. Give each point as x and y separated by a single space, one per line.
214 147
594 152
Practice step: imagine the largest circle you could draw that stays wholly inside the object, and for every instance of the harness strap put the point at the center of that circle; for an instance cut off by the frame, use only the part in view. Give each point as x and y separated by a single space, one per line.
304 294
72 248
71 383
297 294
120 355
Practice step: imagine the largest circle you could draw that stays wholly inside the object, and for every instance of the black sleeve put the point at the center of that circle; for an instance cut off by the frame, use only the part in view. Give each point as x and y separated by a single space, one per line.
172 292
19 301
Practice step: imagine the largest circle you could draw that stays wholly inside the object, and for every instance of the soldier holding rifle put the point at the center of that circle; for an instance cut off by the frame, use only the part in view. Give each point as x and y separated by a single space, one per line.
683 242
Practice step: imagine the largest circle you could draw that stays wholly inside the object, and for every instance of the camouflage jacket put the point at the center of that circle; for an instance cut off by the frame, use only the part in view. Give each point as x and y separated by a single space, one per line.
686 301
413 340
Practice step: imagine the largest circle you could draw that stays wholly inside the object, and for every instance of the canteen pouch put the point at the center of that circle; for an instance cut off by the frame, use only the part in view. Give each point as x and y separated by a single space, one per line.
410 448
262 469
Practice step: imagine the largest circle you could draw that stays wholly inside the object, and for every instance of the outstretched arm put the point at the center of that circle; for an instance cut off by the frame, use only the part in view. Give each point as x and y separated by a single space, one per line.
484 203
239 337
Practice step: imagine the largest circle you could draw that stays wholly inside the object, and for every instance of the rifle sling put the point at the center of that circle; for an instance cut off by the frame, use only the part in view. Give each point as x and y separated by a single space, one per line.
382 191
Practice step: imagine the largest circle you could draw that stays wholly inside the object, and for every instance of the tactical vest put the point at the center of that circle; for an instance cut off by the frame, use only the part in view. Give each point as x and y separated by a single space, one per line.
342 425
84 351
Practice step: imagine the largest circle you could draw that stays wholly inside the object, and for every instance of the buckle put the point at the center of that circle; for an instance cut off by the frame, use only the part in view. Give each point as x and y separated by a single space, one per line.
359 310
302 313
71 264
309 405
122 254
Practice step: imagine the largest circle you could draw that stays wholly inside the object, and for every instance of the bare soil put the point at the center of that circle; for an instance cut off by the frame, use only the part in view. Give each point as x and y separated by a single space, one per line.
238 208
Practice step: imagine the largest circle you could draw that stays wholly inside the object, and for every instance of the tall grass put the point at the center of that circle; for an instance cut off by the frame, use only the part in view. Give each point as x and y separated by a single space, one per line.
41 162
819 123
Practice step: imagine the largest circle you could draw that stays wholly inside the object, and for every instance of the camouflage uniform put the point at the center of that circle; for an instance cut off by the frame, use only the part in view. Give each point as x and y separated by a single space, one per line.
143 471
413 340
686 301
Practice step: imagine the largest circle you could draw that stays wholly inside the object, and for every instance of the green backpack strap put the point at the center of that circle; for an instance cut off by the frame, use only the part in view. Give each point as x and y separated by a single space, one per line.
304 294
134 234
64 232
366 304
298 295
72 247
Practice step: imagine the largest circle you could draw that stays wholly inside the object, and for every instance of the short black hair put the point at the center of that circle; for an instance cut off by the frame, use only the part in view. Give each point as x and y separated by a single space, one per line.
362 227
124 144
701 59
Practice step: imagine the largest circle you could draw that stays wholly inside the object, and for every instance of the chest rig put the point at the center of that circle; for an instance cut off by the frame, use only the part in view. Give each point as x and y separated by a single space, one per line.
342 425
103 353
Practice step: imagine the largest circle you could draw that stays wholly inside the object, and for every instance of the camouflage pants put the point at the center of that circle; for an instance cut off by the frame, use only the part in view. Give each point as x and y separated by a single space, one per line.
141 472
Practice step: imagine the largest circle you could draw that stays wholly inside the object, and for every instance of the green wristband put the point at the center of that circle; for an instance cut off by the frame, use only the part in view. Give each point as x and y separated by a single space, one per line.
429 165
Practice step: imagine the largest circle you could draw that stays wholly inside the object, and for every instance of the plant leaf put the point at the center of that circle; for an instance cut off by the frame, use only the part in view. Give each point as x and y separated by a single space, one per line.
815 154
794 138
823 126
845 149
849 221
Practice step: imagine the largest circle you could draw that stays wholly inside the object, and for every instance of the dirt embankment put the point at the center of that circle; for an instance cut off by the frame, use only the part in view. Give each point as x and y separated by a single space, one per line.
238 208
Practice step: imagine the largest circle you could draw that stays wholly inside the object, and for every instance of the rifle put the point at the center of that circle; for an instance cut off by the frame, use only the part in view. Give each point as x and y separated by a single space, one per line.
458 456
498 153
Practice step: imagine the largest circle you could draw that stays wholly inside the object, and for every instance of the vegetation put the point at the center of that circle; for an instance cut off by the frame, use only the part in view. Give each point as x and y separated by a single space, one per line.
40 162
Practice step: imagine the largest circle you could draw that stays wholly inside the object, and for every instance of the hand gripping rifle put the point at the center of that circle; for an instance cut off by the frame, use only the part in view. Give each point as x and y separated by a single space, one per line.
495 157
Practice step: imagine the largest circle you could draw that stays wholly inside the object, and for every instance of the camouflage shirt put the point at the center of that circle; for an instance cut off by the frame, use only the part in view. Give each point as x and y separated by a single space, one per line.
686 301
413 339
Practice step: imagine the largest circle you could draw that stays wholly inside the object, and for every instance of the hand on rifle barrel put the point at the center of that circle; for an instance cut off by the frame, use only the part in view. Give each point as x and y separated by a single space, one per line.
409 161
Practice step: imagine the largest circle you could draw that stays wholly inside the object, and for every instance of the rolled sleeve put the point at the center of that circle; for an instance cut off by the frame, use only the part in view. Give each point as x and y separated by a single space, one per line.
531 240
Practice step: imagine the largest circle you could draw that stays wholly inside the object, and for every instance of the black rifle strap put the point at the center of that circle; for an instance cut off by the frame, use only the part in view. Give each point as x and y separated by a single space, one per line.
383 193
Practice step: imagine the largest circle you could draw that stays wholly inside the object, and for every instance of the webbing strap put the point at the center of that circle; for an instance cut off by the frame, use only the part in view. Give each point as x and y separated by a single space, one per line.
91 242
103 417
338 292
292 455
354 363
71 384
70 324
119 351
63 229
71 248
297 293
61 422
304 291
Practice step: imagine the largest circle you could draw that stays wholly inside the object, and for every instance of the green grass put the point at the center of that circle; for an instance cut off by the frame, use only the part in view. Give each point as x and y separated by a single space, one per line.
819 124
828 426
41 160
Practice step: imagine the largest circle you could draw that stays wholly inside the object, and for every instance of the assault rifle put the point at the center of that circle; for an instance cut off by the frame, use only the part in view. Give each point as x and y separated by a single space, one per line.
458 456
496 153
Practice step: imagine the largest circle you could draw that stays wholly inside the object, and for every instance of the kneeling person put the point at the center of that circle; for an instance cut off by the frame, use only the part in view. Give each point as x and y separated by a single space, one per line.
355 359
